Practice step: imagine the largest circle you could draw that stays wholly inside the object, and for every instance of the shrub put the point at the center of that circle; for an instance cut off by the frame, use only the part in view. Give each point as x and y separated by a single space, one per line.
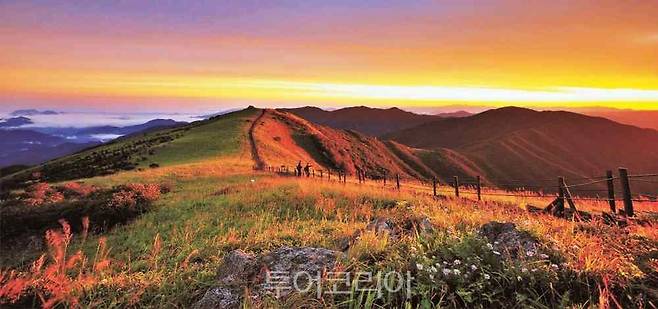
42 193
77 189
135 193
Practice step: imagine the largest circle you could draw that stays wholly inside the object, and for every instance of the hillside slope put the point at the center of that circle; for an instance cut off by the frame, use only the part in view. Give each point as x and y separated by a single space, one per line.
522 144
203 140
372 121
284 139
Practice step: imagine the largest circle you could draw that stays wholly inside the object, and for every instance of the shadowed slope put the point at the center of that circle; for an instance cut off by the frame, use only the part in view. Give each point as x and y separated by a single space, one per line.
522 144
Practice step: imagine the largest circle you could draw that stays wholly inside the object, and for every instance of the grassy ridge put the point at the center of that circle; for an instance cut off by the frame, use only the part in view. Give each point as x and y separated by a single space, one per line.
168 257
213 138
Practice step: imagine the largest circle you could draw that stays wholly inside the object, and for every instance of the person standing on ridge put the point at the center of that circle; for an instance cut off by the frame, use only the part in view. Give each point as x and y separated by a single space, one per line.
307 169
298 169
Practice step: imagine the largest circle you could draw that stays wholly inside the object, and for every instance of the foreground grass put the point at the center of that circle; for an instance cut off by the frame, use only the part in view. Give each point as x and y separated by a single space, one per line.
168 257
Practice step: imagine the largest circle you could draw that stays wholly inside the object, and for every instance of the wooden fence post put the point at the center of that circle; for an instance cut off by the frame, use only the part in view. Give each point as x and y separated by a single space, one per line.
626 189
560 204
455 183
434 185
567 195
611 192
397 181
385 180
479 187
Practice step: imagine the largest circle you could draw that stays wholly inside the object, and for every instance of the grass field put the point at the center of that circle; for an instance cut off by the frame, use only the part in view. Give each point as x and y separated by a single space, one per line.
168 257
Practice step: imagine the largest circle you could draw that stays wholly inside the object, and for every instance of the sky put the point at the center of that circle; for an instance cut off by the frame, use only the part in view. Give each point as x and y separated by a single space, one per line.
184 56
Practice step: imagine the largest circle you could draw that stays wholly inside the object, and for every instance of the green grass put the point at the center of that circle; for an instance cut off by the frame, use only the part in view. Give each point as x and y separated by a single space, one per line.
205 217
215 138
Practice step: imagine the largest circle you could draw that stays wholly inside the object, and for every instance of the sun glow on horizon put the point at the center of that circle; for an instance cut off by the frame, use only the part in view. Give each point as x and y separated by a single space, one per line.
394 53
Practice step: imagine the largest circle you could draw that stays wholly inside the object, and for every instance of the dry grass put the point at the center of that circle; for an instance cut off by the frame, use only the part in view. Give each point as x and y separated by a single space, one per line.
169 256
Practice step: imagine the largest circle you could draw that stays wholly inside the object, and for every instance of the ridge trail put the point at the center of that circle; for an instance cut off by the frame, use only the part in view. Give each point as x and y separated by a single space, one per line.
259 164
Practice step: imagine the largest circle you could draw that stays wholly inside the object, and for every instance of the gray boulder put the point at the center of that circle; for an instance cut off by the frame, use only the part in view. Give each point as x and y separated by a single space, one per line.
275 274
508 240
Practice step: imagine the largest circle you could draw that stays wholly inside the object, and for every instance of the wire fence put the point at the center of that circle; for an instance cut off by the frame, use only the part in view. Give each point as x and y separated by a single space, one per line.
595 188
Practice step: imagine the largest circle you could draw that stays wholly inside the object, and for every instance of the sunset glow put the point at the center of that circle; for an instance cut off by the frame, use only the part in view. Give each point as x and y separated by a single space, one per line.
211 54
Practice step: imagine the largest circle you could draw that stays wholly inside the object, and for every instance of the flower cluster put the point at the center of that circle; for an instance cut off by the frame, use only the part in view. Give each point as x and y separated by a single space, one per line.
42 193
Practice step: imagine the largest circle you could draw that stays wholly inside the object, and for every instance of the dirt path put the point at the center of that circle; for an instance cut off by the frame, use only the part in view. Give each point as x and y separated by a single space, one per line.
259 164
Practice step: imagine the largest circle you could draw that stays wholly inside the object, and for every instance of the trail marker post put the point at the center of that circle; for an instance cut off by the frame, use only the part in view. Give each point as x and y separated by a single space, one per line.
626 189
455 183
397 181
560 202
479 188
611 191
434 185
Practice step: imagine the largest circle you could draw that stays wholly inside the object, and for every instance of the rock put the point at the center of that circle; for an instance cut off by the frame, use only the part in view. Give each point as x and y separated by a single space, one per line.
219 298
287 267
237 268
508 240
296 266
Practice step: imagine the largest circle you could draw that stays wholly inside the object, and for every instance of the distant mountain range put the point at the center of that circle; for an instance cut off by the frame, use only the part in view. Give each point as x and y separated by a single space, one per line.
371 121
638 118
526 145
32 112
28 146
15 122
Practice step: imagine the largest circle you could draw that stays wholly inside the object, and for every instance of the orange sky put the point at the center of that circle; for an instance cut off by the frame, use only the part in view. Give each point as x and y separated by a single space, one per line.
379 53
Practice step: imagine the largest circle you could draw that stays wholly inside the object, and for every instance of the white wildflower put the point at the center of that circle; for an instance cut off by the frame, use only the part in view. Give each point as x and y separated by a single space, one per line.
456 272
457 262
490 246
487 277
433 269
518 278
432 277
446 271
474 268
419 266
524 270
530 253
554 266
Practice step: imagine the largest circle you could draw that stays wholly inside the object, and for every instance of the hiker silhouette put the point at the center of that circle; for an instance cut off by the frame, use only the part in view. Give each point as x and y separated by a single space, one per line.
307 169
299 169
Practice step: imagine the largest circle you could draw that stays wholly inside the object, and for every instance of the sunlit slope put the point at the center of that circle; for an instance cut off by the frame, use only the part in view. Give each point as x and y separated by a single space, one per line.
218 137
285 139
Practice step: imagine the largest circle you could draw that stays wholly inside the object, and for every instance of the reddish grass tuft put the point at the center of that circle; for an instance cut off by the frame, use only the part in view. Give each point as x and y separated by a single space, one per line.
57 278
